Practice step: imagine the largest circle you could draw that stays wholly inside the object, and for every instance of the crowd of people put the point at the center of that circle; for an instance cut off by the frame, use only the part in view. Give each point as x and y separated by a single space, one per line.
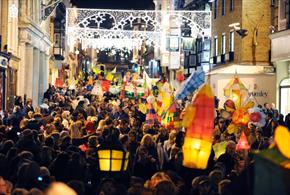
58 142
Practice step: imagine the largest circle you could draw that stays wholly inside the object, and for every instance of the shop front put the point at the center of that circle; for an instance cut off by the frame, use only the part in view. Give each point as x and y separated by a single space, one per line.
4 58
280 57
259 80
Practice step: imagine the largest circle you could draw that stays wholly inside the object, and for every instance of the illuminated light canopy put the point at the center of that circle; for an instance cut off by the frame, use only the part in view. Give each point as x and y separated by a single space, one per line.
109 28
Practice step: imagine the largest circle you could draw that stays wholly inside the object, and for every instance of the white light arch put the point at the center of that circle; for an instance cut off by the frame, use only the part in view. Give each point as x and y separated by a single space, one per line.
79 28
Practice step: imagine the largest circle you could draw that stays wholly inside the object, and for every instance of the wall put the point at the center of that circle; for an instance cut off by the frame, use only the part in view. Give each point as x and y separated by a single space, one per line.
249 14
256 14
220 25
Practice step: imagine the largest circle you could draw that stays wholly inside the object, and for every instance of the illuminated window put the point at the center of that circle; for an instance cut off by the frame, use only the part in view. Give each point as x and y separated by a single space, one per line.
232 41
216 46
223 44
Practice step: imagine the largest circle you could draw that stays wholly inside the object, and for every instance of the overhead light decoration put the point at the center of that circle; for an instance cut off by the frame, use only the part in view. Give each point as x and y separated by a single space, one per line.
13 11
90 26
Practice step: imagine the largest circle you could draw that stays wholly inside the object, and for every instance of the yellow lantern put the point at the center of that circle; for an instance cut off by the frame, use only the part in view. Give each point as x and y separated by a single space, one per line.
113 160
282 140
219 149
196 153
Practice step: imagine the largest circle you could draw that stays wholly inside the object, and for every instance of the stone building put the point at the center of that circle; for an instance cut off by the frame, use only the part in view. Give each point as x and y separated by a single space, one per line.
9 51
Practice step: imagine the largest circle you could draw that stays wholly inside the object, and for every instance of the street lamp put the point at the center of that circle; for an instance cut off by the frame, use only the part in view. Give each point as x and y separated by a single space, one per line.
242 33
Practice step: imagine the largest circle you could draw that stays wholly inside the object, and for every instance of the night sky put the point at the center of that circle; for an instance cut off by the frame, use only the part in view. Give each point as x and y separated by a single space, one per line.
114 4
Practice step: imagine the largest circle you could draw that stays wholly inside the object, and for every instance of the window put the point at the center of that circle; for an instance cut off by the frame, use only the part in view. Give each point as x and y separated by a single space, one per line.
232 5
223 44
216 8
223 7
283 5
232 41
216 46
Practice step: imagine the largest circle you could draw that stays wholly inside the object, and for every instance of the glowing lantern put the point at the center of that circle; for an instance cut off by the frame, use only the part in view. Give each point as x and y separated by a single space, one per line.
196 152
236 91
257 116
219 149
151 116
59 83
229 105
105 85
243 143
90 81
179 76
112 159
198 138
240 117
109 76
282 140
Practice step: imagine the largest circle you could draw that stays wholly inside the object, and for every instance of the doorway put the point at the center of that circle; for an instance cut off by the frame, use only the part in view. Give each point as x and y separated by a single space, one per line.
284 96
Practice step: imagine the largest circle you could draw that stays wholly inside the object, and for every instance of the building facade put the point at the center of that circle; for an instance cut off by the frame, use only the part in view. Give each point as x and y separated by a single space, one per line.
280 52
9 51
240 44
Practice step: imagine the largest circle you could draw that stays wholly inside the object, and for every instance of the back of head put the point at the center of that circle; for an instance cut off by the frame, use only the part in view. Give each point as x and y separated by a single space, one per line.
166 188
58 188
77 186
19 191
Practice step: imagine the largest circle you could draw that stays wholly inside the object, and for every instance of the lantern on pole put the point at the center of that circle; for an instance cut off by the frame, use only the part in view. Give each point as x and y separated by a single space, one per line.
236 91
112 158
243 143
198 138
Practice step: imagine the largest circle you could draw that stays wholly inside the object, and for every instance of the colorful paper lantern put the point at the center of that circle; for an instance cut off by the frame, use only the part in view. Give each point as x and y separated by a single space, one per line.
219 149
105 85
240 117
257 116
109 76
236 91
198 138
151 117
179 76
243 143
196 152
282 140
59 83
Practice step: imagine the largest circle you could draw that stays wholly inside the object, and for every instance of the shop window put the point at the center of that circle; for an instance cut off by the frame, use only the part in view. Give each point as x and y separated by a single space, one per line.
216 46
223 44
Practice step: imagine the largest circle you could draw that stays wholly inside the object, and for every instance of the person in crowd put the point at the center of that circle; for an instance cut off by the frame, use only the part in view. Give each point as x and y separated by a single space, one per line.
60 142
228 158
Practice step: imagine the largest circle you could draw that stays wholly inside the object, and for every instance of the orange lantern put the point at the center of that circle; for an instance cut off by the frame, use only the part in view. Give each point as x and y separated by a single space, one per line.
240 117
198 138
59 83
105 85
243 143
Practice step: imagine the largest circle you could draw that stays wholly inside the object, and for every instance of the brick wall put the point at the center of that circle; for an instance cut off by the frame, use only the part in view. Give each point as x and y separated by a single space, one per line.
248 13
